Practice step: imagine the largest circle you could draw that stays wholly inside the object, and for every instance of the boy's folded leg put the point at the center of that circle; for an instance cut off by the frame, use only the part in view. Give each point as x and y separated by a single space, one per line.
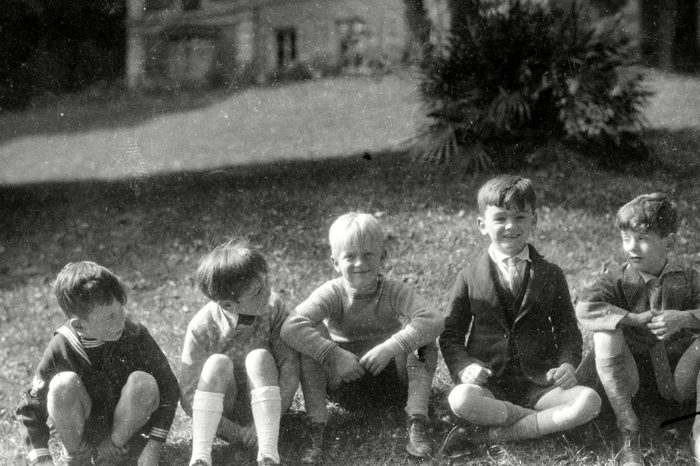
315 452
419 443
81 457
630 453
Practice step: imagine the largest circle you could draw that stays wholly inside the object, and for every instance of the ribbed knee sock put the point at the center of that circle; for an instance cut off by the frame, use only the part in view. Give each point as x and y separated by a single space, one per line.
266 404
525 428
206 415
616 380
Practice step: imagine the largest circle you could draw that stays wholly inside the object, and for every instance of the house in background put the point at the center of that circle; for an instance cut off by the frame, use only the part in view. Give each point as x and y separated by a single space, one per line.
200 42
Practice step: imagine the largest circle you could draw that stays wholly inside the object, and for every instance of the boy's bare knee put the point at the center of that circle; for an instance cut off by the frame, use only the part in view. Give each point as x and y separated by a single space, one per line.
463 395
143 387
590 403
609 343
259 358
66 390
64 383
218 366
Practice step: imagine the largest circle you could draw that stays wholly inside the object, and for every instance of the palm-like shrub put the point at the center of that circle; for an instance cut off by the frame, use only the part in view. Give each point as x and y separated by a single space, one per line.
522 72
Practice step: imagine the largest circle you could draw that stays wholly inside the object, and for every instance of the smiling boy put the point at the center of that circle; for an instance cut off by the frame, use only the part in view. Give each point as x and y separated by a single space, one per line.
511 342
364 338
645 317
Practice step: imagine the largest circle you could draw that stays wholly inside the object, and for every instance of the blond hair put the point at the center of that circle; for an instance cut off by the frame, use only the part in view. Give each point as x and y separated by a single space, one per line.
355 230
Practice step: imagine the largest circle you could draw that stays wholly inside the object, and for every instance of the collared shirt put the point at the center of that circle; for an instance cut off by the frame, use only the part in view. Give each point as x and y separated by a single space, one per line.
500 259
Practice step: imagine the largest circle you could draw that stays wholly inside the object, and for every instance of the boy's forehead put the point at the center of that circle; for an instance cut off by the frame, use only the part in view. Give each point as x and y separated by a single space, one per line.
505 209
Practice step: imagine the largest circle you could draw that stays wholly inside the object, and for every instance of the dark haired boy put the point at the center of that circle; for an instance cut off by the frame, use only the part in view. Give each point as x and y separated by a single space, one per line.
234 365
102 380
641 316
511 341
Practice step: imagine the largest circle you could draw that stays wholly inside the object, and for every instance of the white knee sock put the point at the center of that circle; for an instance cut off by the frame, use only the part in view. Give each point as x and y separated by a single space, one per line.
206 415
266 404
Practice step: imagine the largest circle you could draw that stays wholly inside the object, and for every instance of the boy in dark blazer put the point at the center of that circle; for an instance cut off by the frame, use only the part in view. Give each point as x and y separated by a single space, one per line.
511 342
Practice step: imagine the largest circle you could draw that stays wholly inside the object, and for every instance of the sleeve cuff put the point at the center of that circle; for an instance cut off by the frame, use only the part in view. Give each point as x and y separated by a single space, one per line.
37 455
158 434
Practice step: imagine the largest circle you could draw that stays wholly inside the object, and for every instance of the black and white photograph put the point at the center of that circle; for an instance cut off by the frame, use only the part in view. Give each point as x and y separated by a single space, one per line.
350 232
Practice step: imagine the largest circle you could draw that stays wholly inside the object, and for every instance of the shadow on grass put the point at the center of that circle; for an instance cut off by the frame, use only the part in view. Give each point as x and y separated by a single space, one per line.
103 109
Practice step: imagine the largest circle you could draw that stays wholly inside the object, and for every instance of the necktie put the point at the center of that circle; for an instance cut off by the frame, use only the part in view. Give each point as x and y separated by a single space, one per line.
513 277
659 357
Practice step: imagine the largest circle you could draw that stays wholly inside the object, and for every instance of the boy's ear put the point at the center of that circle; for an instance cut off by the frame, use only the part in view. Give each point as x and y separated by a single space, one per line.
334 263
670 240
227 304
481 225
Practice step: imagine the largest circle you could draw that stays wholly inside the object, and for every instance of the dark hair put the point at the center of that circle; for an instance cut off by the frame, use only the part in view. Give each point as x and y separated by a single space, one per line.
229 269
507 191
80 286
648 212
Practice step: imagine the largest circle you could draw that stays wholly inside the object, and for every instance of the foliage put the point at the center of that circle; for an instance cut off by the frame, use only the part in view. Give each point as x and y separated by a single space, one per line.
525 71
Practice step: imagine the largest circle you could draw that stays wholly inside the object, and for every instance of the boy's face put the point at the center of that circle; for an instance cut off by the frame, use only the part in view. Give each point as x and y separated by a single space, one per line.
105 322
646 252
359 266
508 229
253 301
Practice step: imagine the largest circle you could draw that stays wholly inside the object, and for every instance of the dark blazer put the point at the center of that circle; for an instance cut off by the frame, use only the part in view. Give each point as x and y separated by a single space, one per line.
543 335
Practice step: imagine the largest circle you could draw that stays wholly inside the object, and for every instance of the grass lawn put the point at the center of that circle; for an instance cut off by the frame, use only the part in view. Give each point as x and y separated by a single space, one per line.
152 230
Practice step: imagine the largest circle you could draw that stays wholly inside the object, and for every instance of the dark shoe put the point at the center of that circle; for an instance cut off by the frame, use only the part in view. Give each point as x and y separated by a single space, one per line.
315 452
107 453
631 452
267 462
419 444
463 439
82 457
200 463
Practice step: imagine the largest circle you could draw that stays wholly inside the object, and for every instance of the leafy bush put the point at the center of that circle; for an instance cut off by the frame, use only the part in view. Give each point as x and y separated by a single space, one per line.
522 72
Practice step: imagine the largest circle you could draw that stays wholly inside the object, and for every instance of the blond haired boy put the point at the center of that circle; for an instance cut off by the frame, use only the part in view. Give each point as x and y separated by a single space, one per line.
364 337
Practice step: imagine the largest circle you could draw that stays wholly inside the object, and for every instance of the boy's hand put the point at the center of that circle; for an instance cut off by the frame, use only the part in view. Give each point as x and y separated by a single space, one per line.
637 320
665 323
150 454
562 376
475 374
376 359
345 367
249 438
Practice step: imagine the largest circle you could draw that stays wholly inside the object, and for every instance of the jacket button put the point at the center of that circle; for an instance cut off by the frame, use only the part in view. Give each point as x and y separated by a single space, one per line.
505 336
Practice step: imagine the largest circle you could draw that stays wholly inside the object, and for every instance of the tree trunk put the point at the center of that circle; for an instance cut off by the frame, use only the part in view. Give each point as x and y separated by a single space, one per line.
462 14
418 26
685 50
669 33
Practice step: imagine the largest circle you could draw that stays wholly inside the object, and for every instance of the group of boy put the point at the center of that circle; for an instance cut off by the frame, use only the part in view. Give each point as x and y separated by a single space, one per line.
510 341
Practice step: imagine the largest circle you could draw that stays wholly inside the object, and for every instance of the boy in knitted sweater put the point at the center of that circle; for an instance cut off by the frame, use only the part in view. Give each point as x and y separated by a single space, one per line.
234 365
364 337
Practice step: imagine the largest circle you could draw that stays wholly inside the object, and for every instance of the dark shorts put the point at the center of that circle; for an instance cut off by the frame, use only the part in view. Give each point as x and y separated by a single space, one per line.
384 389
513 386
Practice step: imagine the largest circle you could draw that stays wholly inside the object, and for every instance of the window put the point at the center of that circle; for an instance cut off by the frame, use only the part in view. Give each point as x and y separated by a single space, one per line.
286 47
353 36
154 5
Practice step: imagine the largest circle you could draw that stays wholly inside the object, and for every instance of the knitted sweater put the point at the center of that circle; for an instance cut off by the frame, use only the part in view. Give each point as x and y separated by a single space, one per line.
359 322
215 331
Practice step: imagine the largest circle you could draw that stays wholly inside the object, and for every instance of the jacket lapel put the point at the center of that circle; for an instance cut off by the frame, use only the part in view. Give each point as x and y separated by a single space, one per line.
485 281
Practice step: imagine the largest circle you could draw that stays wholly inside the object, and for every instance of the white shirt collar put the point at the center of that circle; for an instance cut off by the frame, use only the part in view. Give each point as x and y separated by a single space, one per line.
498 257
